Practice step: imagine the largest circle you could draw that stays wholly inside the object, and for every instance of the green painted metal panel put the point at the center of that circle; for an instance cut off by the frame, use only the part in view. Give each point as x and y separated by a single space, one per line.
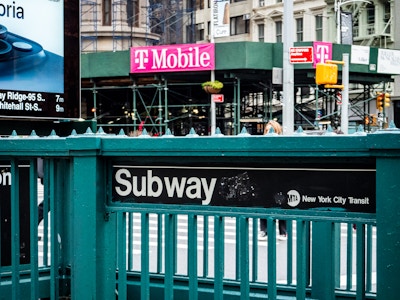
105 64
388 227
244 55
278 55
323 268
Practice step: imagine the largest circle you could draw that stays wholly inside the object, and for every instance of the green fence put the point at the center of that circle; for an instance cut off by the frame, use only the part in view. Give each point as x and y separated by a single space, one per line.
178 217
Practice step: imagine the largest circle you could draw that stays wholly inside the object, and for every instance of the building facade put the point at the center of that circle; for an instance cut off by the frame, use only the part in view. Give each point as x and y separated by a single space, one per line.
108 25
113 26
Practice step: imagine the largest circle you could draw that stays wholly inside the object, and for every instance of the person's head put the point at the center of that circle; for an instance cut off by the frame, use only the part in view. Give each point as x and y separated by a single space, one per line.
275 125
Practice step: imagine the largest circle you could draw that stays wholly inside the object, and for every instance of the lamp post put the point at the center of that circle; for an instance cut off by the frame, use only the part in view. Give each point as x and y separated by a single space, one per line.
338 5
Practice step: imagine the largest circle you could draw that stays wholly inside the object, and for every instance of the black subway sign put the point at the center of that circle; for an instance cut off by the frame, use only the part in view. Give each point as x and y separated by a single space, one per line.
351 189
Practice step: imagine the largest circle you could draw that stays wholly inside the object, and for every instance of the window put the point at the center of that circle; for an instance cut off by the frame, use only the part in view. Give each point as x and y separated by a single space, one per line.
199 32
370 14
261 32
240 25
106 12
318 28
299 29
386 18
370 11
199 4
191 33
262 3
132 12
278 29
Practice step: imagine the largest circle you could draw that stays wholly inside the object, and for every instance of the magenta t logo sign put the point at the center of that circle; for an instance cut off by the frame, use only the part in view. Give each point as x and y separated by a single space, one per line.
322 52
173 58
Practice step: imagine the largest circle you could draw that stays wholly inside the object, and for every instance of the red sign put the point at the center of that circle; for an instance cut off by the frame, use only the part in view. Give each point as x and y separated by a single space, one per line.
301 55
218 98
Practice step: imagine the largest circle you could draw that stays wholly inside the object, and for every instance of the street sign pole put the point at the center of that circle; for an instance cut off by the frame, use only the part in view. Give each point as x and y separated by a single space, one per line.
288 72
212 77
344 120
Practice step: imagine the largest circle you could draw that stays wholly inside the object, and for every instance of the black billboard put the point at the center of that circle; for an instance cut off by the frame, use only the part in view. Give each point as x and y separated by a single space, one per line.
39 59
346 28
350 189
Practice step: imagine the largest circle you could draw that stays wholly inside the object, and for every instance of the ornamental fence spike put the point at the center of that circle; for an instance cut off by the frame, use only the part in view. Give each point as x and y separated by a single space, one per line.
89 131
244 132
192 133
168 133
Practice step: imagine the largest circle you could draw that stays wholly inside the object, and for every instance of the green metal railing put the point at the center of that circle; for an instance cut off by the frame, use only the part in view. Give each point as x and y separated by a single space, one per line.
201 266
87 246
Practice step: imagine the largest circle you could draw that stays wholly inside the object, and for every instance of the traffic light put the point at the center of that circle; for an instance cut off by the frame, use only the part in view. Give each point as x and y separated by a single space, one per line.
379 101
386 100
326 73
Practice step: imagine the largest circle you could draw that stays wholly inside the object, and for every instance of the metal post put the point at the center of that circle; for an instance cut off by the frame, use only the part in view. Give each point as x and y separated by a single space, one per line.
134 109
288 73
344 122
166 115
238 124
94 101
338 25
388 224
92 242
160 109
212 103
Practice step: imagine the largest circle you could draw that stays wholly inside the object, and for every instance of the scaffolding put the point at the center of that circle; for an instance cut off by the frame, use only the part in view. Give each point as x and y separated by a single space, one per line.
89 22
173 22
127 23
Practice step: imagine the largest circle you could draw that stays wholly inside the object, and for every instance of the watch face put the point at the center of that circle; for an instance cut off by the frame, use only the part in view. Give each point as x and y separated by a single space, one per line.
18 54
40 59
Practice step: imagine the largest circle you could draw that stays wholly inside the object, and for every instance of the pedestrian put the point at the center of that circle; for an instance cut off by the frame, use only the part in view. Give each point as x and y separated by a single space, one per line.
262 236
273 127
277 128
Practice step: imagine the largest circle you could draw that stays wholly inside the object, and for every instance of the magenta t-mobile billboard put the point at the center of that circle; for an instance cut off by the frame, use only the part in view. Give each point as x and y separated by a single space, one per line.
173 58
39 59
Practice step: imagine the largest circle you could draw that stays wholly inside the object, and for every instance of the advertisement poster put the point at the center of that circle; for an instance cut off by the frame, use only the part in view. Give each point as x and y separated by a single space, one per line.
346 28
388 61
360 54
341 189
221 18
37 63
